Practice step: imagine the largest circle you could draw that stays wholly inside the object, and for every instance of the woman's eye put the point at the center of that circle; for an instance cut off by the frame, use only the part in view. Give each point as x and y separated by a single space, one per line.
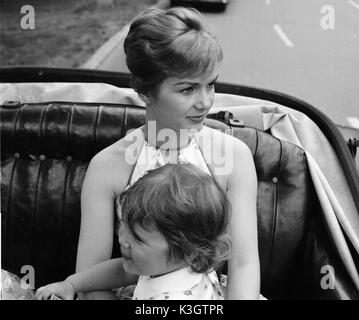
187 90
211 85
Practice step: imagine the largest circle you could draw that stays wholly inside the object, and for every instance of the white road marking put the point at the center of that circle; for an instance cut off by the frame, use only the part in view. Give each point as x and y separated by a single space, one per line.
282 35
354 4
354 122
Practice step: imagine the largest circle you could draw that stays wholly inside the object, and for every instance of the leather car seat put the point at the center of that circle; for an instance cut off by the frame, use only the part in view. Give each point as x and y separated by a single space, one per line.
46 149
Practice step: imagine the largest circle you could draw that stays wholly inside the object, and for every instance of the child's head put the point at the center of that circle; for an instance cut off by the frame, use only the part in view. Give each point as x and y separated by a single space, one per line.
172 217
169 43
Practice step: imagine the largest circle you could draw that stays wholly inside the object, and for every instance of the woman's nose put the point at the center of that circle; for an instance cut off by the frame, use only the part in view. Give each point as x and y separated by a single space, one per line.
204 100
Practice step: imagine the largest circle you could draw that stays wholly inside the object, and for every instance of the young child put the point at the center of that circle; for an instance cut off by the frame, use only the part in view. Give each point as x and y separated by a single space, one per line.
173 235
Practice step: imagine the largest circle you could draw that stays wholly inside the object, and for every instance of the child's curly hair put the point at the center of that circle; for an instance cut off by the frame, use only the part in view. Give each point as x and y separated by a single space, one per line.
187 207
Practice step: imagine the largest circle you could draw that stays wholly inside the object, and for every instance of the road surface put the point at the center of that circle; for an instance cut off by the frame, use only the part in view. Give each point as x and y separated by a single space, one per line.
308 49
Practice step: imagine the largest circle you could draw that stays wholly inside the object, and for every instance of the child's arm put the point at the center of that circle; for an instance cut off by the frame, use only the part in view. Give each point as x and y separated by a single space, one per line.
105 275
108 274
63 290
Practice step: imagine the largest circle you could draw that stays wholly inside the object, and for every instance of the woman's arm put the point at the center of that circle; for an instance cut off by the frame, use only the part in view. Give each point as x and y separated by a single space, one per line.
97 216
243 266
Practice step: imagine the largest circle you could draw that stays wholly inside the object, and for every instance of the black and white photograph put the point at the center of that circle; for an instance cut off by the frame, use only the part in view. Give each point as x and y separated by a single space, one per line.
197 151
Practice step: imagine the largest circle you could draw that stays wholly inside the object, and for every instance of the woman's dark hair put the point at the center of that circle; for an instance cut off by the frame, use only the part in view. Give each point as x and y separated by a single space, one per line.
173 42
187 207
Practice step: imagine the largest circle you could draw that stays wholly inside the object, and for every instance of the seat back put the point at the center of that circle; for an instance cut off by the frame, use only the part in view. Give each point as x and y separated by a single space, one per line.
46 149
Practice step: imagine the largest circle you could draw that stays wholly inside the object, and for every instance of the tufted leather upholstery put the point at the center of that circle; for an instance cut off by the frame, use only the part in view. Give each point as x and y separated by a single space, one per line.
46 149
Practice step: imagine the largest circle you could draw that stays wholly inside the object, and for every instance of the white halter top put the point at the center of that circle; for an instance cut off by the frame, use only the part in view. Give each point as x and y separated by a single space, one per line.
151 158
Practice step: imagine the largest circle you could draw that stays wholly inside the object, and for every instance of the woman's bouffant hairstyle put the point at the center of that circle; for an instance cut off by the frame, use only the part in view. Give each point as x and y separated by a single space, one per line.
164 43
187 207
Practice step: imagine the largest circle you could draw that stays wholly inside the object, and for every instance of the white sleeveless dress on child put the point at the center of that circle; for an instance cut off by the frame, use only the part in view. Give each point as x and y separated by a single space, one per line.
182 284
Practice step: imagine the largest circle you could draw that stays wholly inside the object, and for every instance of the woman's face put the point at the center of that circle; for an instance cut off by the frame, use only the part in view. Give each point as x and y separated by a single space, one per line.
182 103
146 255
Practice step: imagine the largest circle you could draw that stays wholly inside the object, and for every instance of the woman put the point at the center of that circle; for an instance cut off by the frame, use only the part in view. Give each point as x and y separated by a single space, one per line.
174 62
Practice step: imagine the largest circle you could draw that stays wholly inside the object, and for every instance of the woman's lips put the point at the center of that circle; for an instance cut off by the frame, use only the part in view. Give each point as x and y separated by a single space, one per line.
197 118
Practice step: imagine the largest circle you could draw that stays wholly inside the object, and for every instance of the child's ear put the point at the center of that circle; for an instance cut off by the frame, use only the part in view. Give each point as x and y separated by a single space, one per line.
145 97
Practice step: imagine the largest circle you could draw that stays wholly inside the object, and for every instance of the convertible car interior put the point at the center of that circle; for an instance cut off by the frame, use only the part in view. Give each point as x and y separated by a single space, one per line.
46 147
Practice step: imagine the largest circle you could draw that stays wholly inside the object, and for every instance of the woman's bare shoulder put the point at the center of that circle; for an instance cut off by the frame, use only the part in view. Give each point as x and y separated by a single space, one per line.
225 154
216 134
115 162
120 151
223 141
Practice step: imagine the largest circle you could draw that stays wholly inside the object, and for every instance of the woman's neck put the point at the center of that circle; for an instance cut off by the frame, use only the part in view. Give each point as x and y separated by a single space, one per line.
166 138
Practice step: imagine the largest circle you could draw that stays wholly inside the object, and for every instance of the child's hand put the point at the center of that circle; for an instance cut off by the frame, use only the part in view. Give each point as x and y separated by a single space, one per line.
63 290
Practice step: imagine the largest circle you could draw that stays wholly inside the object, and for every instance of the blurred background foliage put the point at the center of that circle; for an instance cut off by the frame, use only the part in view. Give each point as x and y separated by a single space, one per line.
66 32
